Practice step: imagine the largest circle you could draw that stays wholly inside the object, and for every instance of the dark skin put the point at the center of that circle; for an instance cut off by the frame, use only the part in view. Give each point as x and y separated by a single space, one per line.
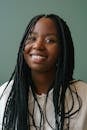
41 52
43 81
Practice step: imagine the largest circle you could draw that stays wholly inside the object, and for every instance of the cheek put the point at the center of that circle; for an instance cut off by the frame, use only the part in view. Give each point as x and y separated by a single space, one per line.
55 55
27 60
26 49
26 54
54 52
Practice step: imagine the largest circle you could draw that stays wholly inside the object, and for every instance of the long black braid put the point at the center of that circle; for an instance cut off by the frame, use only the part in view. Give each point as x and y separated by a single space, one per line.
16 115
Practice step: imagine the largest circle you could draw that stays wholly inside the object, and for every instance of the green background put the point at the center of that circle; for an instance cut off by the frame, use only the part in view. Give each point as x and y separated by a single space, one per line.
14 17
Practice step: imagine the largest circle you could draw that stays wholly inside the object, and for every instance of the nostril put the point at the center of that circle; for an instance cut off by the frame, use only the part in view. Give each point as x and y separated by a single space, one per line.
39 45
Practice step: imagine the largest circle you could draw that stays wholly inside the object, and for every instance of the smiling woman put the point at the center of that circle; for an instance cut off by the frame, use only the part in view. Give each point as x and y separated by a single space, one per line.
41 50
42 93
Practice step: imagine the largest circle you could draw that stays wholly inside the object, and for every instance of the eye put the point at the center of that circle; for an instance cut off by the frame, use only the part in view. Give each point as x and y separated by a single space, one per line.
31 39
50 40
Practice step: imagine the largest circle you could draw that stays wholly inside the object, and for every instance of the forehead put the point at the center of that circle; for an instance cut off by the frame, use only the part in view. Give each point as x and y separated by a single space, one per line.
45 25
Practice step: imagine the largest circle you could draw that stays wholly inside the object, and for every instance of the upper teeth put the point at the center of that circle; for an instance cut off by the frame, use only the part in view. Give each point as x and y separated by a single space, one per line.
37 57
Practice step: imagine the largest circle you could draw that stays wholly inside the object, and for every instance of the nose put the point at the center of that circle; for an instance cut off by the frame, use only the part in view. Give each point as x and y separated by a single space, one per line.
39 44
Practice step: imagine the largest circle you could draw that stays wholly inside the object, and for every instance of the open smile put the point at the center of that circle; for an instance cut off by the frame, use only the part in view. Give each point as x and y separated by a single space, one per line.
38 58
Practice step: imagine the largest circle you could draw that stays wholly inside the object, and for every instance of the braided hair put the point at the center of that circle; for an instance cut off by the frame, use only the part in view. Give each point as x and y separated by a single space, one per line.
16 115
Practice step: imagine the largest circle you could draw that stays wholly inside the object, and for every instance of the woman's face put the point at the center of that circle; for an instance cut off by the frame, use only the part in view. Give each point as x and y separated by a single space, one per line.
42 48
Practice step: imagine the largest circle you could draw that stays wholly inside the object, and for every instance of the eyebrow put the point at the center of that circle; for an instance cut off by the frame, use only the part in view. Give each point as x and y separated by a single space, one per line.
47 34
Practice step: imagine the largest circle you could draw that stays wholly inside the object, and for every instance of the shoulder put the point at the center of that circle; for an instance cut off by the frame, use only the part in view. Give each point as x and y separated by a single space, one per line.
4 93
79 85
81 88
5 88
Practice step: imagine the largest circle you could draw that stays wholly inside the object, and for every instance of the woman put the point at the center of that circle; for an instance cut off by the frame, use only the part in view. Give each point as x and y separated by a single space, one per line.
41 93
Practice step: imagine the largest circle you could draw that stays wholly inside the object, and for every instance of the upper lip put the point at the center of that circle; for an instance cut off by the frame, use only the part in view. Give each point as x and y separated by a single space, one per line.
38 54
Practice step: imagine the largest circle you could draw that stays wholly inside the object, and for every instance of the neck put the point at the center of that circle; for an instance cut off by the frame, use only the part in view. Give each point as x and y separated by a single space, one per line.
43 81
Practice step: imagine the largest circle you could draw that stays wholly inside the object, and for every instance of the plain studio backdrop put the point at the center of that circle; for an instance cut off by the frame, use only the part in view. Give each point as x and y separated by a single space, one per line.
14 17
